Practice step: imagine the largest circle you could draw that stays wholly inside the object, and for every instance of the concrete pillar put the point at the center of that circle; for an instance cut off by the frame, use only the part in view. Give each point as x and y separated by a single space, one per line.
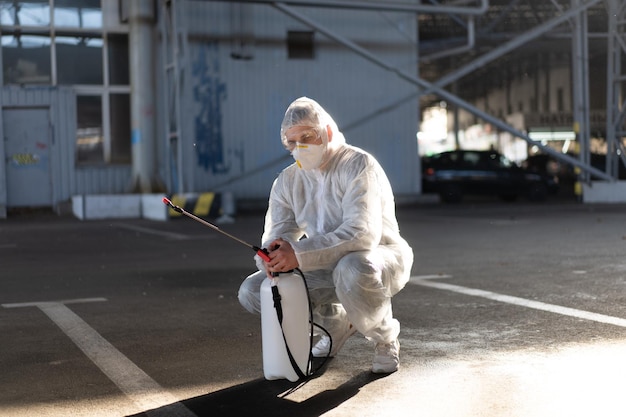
141 19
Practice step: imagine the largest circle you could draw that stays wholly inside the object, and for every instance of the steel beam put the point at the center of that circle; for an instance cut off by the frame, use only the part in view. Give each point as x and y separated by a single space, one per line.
512 45
427 86
616 84
580 86
381 6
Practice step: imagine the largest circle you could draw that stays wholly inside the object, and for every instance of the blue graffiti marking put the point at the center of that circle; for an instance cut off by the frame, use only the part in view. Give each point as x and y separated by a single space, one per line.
209 92
135 138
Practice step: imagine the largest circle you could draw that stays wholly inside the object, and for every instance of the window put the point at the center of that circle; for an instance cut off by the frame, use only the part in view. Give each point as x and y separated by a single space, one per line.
64 42
504 162
471 159
26 59
119 110
25 13
91 112
77 13
300 44
79 60
89 136
118 59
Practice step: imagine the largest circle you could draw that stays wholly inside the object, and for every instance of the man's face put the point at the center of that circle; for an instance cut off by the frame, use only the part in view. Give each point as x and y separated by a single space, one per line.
305 135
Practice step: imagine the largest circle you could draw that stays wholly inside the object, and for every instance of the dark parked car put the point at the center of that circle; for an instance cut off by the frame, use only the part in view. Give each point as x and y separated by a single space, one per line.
456 173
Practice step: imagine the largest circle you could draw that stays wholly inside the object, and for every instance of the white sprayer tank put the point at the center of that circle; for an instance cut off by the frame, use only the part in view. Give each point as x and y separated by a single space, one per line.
295 306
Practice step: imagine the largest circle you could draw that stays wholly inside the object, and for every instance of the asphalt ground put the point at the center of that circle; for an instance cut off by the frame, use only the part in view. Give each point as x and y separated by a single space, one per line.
513 310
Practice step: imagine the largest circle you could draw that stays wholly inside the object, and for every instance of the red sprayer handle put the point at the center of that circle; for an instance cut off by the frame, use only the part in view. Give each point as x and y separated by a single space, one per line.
262 253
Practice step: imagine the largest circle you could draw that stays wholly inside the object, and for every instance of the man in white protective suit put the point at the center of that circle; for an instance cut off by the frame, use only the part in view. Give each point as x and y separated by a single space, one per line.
332 214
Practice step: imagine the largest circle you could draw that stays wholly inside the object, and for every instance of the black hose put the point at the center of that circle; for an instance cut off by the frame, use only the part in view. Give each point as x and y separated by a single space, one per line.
310 364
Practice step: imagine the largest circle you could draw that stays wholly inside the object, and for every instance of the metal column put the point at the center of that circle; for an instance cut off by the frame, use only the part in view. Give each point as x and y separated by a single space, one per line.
580 86
616 83
174 48
141 21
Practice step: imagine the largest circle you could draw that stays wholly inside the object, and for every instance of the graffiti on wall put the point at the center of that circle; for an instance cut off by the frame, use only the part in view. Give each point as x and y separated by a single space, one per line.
209 92
24 159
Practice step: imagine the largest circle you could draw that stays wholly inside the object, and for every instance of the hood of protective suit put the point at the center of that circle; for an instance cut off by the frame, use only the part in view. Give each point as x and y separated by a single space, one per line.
307 112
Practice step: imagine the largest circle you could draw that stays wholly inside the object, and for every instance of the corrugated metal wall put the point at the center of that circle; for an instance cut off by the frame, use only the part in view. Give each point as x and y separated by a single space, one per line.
66 178
110 179
61 105
247 97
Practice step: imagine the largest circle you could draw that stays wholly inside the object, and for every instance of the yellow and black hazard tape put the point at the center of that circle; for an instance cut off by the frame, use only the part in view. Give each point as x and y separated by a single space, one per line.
202 204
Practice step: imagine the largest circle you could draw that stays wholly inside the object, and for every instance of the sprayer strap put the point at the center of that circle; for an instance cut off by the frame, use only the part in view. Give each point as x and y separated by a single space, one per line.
279 313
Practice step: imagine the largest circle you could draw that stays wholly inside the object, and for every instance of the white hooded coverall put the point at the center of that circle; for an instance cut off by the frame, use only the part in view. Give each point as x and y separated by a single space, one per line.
340 220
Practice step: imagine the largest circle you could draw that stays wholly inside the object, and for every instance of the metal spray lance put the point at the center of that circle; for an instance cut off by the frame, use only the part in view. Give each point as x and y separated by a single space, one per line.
259 251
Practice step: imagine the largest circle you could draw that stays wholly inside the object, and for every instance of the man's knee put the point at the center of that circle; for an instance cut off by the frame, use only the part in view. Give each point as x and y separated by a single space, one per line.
249 294
354 267
244 294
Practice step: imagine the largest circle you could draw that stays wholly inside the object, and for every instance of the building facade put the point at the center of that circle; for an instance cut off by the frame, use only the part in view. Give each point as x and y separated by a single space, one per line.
81 114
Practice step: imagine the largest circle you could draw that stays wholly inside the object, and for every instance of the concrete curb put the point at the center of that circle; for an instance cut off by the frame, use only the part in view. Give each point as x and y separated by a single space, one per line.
220 206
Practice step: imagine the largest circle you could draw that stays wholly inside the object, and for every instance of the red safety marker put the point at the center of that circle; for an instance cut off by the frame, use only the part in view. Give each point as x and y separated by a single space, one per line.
259 251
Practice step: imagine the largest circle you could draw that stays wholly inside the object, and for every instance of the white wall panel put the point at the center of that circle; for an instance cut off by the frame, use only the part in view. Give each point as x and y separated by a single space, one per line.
102 180
251 96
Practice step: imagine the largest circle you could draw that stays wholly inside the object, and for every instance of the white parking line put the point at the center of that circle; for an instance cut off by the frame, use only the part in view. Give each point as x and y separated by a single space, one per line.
149 396
424 281
38 303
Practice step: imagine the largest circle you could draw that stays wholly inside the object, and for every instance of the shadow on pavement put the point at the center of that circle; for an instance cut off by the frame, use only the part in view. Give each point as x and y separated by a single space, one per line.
269 399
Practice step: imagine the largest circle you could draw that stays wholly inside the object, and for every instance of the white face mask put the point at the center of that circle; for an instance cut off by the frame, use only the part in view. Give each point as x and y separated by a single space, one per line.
308 156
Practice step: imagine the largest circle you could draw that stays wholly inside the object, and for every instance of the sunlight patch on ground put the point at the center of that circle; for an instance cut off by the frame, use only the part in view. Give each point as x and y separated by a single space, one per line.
578 380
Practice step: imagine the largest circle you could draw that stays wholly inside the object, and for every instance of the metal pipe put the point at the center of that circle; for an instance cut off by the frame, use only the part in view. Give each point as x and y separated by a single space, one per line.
381 6
173 51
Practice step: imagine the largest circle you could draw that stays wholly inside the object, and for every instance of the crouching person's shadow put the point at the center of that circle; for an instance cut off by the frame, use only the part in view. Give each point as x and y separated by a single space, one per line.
270 399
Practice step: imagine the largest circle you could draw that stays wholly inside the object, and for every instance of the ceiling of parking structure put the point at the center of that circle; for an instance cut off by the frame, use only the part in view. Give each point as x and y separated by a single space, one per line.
504 21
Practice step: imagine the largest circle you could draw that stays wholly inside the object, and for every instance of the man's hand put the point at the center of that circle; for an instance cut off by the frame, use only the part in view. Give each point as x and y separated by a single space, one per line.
282 257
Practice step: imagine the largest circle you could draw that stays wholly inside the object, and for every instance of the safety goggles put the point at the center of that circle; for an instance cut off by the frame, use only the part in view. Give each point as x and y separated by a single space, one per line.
301 135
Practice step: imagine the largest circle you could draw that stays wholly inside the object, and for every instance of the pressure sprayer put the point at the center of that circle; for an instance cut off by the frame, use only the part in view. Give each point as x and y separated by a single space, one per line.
286 317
